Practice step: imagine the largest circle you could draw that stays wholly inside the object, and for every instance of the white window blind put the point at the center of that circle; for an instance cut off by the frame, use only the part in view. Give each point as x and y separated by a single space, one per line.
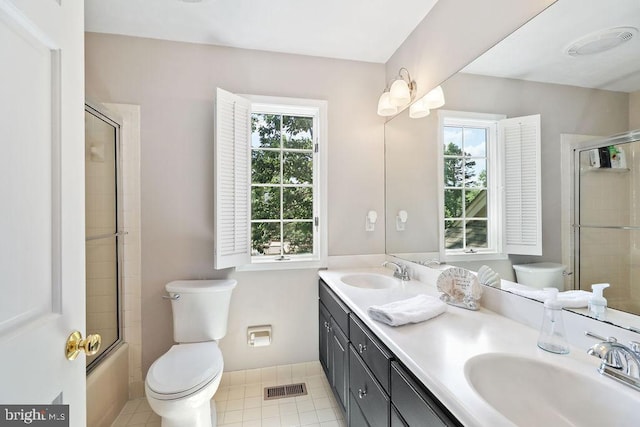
232 180
520 141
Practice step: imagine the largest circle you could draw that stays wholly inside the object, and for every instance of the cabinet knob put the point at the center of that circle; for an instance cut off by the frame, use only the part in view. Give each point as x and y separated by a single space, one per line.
362 348
362 393
326 325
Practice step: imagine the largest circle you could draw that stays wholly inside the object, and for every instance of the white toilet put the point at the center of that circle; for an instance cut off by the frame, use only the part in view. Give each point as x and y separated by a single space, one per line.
181 383
541 275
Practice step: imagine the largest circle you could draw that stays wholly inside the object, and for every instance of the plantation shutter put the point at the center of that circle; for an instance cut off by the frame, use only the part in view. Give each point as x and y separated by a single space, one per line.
520 142
232 180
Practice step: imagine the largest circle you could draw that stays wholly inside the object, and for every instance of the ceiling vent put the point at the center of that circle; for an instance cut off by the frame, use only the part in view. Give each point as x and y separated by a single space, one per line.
601 41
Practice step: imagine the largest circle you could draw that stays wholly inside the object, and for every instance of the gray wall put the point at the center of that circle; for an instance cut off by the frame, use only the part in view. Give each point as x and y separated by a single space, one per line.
174 83
563 109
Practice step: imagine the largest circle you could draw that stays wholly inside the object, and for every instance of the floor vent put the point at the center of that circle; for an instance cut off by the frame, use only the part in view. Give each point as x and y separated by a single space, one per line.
282 391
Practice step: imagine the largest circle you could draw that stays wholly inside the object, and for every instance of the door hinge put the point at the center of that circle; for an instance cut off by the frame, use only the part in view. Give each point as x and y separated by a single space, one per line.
316 147
316 221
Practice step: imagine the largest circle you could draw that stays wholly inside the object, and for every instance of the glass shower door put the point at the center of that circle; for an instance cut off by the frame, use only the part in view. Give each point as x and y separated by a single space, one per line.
102 225
607 221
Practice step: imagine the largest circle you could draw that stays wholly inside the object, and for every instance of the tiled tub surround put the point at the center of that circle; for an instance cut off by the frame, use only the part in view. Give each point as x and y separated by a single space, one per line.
436 351
240 400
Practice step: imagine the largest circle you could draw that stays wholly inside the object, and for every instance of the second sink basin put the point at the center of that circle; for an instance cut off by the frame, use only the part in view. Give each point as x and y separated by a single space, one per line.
369 280
533 393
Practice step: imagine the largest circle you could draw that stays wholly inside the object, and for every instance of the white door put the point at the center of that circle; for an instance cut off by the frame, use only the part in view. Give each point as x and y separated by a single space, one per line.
41 202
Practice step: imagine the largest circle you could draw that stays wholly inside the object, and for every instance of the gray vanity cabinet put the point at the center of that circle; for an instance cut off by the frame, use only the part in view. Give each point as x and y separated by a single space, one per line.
371 386
415 405
334 344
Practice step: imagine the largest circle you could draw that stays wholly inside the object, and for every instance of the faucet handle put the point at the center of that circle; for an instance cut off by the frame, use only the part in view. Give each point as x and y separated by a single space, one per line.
600 337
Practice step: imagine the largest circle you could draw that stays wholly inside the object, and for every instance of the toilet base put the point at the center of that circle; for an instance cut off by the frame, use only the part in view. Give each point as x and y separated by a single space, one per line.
205 417
197 410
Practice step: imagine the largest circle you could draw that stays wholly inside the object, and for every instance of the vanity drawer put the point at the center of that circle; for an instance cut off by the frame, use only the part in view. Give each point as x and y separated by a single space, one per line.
414 403
356 417
369 397
338 310
373 352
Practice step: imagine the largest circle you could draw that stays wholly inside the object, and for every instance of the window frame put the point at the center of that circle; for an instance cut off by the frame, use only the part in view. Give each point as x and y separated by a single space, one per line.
494 248
318 110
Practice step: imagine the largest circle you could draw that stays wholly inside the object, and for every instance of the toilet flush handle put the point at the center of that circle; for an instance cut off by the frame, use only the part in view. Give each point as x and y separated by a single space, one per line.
174 297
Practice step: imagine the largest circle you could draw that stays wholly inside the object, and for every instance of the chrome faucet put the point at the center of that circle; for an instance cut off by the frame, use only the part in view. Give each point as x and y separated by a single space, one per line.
619 362
401 270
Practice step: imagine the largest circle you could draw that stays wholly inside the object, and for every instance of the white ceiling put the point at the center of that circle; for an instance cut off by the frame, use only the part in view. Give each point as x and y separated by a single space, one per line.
363 30
537 50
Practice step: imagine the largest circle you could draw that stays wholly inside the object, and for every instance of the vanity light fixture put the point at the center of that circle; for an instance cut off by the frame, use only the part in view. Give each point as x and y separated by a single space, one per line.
419 109
385 108
423 106
398 94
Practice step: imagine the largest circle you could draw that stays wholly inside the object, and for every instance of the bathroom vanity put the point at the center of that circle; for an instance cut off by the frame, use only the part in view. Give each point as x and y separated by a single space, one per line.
364 373
471 368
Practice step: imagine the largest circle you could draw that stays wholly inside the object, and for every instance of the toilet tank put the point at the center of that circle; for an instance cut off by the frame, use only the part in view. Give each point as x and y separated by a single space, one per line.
541 275
201 311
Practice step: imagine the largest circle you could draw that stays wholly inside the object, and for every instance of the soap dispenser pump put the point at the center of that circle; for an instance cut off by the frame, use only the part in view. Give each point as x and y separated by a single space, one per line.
552 337
598 303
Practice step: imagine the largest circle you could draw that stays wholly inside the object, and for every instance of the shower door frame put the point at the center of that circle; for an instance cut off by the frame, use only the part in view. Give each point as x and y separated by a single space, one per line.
112 119
622 138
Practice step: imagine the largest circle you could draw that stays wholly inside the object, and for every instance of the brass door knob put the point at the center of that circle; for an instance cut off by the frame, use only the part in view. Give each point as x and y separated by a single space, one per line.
75 344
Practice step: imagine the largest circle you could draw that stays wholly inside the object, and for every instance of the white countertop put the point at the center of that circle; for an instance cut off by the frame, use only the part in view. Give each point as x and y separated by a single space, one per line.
436 350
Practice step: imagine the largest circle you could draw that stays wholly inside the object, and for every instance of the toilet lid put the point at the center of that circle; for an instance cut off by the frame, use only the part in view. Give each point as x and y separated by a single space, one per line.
185 368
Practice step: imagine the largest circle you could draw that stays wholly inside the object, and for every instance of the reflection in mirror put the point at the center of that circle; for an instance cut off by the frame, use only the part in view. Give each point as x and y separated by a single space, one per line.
606 218
530 72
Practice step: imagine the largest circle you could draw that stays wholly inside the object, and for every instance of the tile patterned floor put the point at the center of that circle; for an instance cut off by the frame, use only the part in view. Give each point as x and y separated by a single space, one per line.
240 402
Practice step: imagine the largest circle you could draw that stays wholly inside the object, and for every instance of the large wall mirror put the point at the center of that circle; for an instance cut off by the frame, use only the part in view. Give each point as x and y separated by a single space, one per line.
581 95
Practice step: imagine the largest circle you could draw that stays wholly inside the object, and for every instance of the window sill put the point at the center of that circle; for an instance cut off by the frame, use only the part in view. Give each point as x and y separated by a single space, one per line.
487 256
271 265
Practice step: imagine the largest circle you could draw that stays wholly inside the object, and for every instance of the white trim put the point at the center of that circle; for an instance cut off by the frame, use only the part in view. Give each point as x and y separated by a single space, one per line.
493 185
521 165
568 144
318 109
233 158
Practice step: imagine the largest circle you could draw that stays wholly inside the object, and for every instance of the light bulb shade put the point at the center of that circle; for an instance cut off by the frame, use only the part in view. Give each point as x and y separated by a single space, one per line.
385 108
400 93
418 109
434 99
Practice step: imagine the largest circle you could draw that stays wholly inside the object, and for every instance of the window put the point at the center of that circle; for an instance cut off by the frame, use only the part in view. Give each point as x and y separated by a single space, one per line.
281 182
489 197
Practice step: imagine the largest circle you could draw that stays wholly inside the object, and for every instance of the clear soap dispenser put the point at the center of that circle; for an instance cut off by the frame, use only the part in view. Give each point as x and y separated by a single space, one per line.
552 337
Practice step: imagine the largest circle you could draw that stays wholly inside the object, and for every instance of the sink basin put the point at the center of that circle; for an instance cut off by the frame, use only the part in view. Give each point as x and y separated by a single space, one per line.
533 393
369 281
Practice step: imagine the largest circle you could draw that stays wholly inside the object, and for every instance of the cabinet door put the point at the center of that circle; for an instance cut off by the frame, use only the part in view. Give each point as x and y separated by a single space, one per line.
340 364
323 334
416 405
356 417
396 419
368 394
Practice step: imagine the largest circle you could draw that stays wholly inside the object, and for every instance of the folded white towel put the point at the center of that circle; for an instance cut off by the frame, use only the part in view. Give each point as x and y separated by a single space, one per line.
412 310
569 299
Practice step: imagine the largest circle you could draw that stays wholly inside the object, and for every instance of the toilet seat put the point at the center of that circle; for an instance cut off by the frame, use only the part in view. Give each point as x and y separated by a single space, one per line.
184 370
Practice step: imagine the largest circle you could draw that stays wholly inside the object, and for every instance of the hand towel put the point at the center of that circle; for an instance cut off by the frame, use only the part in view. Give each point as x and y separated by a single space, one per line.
569 299
412 310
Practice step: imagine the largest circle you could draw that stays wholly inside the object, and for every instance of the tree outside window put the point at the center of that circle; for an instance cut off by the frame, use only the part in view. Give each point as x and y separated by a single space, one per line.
282 192
465 188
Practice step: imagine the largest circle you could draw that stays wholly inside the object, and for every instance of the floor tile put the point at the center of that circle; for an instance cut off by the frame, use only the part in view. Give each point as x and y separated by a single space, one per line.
239 401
